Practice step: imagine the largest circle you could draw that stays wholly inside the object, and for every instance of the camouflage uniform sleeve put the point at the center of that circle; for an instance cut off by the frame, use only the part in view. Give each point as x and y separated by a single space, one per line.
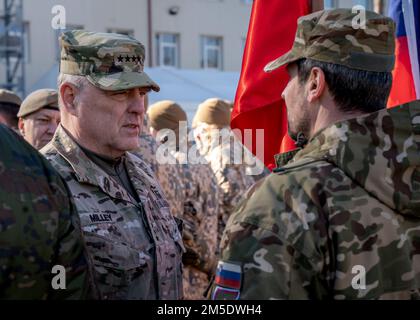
233 183
70 249
209 224
264 257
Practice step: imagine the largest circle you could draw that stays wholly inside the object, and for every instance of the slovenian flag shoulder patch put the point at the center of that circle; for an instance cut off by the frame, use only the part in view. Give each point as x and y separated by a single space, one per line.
228 275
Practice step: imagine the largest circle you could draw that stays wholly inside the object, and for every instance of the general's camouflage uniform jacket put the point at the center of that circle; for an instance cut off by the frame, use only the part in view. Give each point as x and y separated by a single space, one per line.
118 249
348 202
38 226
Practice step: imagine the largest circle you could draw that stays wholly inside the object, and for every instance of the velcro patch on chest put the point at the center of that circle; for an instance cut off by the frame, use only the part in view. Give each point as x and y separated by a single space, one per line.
221 293
100 217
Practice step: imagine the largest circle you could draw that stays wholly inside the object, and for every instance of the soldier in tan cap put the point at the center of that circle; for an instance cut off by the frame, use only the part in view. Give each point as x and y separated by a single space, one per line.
200 195
9 107
133 243
39 117
211 122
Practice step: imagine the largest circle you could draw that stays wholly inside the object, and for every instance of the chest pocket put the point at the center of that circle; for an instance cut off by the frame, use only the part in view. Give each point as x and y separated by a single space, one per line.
120 251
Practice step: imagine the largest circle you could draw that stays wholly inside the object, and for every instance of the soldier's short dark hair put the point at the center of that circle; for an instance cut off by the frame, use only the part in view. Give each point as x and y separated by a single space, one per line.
9 111
352 89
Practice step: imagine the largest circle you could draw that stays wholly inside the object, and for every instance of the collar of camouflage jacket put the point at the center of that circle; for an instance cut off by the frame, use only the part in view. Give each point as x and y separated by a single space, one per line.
85 170
379 151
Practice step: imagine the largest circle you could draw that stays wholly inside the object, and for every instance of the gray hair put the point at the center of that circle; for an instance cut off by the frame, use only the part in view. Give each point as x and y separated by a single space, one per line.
78 81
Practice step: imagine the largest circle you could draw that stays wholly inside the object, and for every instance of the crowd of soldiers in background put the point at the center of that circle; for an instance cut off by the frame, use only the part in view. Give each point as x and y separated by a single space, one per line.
202 195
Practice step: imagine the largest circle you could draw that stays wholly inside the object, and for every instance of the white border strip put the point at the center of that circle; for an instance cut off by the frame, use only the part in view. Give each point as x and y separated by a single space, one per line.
408 13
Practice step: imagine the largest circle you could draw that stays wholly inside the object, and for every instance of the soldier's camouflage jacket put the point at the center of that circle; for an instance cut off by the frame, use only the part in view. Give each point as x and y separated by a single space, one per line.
38 227
125 266
341 220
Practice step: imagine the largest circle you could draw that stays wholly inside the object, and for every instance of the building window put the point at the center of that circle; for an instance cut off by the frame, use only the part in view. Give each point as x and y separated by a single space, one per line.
211 53
127 32
58 32
167 49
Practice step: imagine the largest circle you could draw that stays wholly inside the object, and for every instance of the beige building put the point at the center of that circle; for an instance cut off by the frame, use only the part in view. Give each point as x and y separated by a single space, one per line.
188 34
183 34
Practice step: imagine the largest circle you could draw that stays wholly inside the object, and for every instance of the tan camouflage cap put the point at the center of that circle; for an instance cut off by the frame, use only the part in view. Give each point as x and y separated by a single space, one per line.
7 96
213 111
332 36
110 61
37 100
166 115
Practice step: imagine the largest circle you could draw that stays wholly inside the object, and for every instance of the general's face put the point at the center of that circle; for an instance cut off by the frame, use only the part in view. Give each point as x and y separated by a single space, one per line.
39 127
295 97
110 120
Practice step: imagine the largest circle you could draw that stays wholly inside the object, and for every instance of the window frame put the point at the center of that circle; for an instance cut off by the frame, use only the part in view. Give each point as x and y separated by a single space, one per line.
161 44
206 47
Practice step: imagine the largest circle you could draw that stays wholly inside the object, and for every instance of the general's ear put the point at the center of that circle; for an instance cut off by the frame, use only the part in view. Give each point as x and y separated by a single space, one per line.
316 84
68 93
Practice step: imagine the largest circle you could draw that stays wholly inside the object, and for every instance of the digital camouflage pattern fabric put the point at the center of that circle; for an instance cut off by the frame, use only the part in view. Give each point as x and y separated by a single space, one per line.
110 61
230 176
192 193
350 198
168 175
199 198
343 37
134 248
200 216
38 226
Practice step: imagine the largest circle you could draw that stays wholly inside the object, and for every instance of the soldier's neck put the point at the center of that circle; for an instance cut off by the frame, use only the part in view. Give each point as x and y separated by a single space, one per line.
327 116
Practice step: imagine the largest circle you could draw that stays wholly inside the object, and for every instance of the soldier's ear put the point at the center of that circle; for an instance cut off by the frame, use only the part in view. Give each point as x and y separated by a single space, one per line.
68 93
316 84
21 126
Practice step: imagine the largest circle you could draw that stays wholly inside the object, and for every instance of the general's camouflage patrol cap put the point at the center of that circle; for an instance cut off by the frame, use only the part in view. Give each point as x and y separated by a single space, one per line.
110 61
336 36
7 96
37 100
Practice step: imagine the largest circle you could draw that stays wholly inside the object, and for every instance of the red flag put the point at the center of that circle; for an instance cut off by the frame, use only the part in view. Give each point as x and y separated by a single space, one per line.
258 102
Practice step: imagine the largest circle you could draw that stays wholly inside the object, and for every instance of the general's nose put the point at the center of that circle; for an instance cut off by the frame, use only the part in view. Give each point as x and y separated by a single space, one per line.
137 102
